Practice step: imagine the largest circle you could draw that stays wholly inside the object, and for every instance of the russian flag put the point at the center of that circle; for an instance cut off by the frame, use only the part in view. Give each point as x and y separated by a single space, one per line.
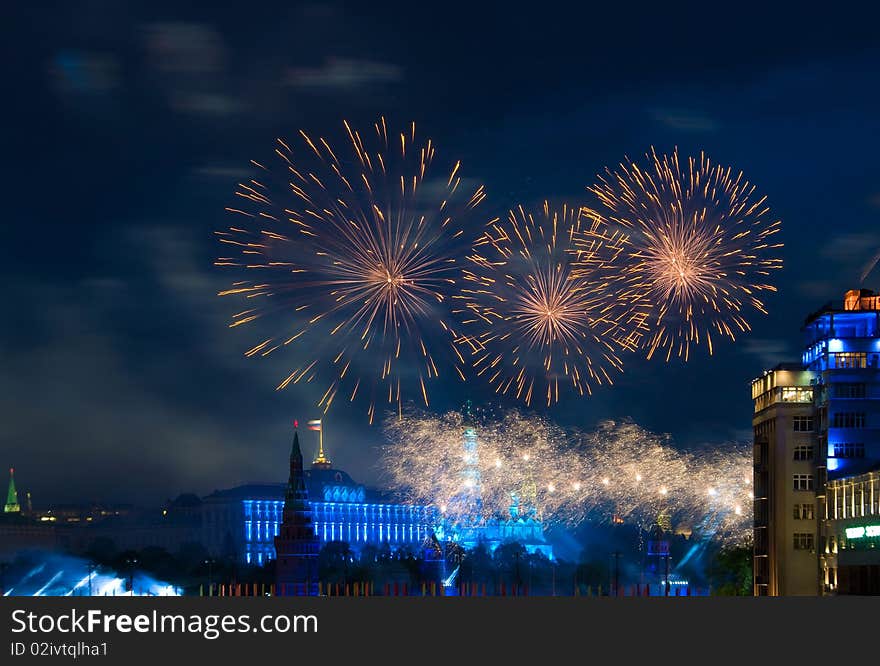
314 425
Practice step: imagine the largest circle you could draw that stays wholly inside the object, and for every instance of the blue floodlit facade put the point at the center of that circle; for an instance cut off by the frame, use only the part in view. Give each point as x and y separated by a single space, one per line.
242 522
356 523
842 350
817 456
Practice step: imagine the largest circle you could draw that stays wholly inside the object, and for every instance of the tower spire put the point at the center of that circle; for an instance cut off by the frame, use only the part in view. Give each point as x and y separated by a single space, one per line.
468 413
321 461
12 495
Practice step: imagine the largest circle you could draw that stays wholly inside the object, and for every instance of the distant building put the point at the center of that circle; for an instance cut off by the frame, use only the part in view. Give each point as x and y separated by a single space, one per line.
816 456
11 495
19 533
242 522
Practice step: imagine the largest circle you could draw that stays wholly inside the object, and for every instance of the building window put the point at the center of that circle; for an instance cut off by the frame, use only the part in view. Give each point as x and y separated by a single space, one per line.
848 420
802 423
803 541
803 481
803 452
804 512
797 394
850 360
849 450
849 390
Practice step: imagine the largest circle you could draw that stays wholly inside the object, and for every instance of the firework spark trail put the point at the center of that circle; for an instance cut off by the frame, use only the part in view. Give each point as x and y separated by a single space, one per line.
529 323
870 267
617 471
354 254
699 250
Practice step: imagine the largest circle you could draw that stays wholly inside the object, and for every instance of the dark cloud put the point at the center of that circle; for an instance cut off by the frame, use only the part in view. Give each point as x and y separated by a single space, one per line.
185 48
189 62
770 352
344 75
686 120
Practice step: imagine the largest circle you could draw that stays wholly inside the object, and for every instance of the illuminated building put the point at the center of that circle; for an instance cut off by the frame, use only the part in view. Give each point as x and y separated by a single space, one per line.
11 495
242 522
784 483
851 533
817 449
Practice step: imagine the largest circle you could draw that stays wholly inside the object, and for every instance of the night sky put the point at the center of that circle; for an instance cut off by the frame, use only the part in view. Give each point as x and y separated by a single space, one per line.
127 125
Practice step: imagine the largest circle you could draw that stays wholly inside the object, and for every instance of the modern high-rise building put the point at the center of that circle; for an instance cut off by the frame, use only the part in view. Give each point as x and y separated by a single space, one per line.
843 349
817 458
784 483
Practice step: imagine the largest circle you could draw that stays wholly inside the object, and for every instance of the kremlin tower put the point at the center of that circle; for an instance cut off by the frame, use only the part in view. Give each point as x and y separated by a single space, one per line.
296 546
12 495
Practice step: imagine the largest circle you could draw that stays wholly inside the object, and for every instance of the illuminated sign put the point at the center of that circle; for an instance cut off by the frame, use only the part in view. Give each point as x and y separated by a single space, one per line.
863 531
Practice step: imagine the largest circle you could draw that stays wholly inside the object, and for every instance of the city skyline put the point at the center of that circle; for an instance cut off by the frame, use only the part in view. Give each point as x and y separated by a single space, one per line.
121 380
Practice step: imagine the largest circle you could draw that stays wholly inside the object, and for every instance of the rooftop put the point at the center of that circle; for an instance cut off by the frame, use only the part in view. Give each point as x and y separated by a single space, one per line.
854 300
788 366
319 480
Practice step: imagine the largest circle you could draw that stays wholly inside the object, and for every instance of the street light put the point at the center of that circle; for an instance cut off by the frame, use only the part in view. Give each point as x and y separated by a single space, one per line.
131 562
210 562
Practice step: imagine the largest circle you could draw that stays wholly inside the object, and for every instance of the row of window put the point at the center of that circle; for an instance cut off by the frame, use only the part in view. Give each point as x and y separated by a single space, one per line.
265 531
849 360
796 394
838 420
848 420
853 500
849 391
273 510
849 450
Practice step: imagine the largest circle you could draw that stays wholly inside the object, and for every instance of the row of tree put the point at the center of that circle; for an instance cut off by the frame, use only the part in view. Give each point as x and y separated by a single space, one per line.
509 567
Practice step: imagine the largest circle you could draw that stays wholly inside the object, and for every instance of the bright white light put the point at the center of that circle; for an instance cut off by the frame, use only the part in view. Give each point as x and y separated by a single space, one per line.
525 456
712 491
469 483
551 487
738 511
605 481
638 477
663 491
577 485
498 462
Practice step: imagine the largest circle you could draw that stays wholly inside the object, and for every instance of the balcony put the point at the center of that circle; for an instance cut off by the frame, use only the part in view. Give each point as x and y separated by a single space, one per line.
784 394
